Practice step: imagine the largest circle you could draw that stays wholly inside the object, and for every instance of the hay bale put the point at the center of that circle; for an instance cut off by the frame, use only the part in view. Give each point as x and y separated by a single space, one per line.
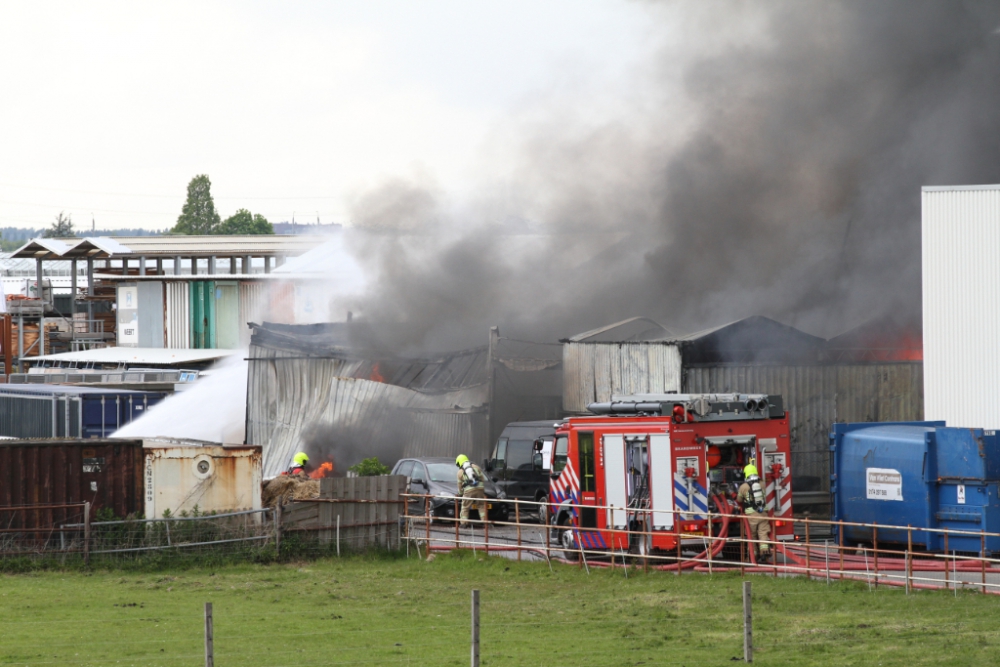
286 488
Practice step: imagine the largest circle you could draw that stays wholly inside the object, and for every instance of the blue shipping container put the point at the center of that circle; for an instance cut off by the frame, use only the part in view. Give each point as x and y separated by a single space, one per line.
66 411
919 474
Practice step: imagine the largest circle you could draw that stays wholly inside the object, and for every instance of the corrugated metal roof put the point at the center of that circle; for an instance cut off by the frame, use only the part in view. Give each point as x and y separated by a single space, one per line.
100 246
446 372
885 338
43 247
304 377
634 329
958 188
757 322
136 356
118 247
753 339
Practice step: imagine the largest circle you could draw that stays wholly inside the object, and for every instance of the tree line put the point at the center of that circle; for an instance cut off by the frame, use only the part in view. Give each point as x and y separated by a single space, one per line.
198 216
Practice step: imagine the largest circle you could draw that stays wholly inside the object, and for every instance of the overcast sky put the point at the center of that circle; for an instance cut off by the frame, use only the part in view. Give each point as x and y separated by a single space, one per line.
109 109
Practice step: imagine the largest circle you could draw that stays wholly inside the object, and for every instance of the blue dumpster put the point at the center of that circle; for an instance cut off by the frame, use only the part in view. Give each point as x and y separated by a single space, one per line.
918 474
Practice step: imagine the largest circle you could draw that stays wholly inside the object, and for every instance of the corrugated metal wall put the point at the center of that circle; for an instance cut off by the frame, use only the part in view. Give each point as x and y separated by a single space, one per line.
227 315
288 394
253 308
178 323
816 396
961 296
596 371
151 325
107 473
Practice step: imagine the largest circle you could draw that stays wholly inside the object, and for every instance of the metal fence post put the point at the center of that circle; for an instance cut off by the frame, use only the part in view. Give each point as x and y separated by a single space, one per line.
86 533
548 537
954 565
209 632
475 628
427 521
947 585
808 552
743 547
826 551
909 557
517 520
406 522
875 551
710 544
647 540
338 533
678 524
982 556
747 624
278 512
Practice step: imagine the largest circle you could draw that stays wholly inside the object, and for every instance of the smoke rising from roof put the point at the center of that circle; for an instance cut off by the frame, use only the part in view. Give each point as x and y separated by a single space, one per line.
768 160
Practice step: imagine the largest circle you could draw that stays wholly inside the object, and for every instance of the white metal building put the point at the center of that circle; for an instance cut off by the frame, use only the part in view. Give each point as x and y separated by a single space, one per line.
961 299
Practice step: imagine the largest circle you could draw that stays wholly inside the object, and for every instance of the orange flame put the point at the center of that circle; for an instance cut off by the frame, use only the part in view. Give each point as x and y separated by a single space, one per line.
322 471
376 376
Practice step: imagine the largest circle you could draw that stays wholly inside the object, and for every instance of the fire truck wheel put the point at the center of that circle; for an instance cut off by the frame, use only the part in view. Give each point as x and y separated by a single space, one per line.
570 550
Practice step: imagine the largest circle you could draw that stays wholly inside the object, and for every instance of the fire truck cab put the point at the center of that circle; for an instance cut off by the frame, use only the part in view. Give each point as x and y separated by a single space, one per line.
646 472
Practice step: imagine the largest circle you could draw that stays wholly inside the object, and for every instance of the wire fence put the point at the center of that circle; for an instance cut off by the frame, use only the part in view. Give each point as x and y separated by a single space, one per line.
878 555
315 618
69 534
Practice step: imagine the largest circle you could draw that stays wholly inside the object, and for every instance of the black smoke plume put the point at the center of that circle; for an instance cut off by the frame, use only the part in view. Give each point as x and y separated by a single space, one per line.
768 161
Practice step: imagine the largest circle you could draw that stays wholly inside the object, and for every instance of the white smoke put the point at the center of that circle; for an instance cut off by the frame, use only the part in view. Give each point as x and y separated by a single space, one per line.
214 409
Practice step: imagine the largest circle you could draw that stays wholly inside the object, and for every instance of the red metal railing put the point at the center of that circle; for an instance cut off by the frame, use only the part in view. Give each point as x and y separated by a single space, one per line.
727 548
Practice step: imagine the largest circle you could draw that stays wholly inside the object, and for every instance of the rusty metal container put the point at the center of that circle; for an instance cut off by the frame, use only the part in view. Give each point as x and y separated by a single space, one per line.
105 472
183 474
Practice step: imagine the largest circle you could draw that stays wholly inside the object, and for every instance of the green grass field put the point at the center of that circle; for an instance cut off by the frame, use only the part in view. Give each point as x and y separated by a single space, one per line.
381 611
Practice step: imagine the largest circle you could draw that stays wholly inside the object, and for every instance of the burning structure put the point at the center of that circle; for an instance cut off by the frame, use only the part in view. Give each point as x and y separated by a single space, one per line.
871 373
317 389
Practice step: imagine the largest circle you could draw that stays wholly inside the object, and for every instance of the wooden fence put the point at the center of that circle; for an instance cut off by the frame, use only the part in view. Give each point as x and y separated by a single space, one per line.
357 512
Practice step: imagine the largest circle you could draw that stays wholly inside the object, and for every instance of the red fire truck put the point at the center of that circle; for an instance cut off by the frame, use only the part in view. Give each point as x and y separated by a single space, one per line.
648 470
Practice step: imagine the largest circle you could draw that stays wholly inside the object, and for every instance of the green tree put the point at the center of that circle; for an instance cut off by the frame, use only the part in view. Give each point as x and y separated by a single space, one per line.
198 215
244 222
370 468
61 228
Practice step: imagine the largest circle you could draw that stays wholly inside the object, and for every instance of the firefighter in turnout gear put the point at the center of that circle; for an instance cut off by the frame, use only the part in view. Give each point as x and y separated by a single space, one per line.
751 498
299 462
472 485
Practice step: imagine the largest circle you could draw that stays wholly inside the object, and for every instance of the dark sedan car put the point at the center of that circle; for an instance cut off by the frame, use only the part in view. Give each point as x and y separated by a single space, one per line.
438 477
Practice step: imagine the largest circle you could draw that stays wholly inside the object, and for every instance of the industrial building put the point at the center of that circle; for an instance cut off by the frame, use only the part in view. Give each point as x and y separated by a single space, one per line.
304 377
961 304
159 291
821 382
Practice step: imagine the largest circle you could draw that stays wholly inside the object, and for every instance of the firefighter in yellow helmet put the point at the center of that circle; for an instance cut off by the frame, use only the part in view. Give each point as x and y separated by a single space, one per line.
299 462
751 498
472 486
